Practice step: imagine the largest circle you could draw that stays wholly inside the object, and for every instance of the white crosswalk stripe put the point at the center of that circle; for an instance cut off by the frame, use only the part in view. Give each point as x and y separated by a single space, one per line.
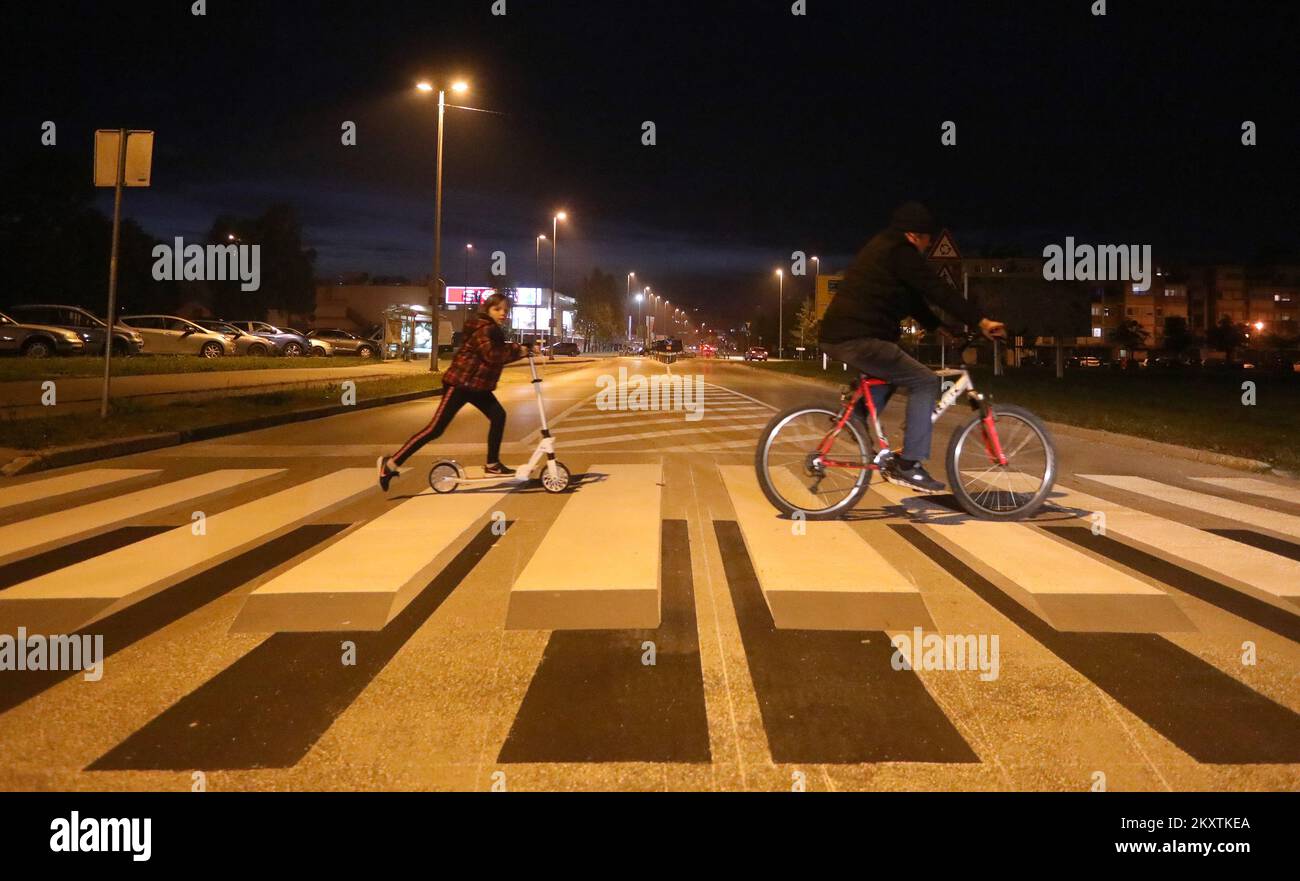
822 575
67 599
1263 518
366 578
593 570
67 484
1067 588
1255 487
1264 575
37 534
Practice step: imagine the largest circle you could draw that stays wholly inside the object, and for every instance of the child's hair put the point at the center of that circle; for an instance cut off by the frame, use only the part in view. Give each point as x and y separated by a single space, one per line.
495 298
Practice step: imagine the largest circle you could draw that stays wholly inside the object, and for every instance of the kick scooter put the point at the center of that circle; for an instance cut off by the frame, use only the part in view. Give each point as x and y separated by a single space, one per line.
448 474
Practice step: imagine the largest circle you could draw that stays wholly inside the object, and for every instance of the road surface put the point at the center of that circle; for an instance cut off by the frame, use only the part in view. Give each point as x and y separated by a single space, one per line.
272 621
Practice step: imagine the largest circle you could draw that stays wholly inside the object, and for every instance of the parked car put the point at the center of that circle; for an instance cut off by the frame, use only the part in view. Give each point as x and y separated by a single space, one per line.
570 349
315 345
171 335
1085 361
345 343
244 342
756 353
290 343
91 330
37 340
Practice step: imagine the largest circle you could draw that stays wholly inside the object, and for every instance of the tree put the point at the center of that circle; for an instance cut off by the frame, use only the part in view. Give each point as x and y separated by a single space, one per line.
806 326
1130 334
1226 337
1178 337
56 242
286 269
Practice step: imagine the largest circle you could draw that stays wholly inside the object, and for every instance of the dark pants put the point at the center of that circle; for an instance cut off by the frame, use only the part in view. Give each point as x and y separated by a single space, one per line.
885 360
453 398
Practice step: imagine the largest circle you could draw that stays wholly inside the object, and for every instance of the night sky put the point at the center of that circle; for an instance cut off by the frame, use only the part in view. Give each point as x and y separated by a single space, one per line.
775 132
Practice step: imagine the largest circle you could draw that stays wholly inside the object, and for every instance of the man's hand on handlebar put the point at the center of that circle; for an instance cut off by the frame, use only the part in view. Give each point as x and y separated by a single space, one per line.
994 330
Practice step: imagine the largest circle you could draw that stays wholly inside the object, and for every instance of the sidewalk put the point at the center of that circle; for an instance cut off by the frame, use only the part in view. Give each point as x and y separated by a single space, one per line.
22 399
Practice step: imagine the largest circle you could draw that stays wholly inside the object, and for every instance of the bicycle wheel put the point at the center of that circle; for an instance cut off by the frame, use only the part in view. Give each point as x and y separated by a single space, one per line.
799 480
1013 491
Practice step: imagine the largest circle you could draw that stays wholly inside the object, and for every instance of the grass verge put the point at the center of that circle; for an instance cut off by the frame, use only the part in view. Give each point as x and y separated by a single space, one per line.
17 369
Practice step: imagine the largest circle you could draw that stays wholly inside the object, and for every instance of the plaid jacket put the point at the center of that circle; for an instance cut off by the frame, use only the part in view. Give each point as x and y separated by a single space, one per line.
481 356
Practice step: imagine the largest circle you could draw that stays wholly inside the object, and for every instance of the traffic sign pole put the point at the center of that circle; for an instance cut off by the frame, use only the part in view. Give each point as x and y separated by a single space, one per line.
112 270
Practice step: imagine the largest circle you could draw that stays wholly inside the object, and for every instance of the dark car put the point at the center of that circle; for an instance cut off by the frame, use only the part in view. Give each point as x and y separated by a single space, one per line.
570 349
756 353
91 330
346 343
37 340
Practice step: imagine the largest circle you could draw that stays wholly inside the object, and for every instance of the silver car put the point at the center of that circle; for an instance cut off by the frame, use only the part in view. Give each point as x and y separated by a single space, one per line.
38 340
244 342
170 335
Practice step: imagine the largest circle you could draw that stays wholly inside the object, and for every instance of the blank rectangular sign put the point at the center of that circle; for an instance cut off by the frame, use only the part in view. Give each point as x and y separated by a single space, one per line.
139 157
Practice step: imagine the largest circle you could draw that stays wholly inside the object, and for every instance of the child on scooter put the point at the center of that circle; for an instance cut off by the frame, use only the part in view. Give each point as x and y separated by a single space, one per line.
470 379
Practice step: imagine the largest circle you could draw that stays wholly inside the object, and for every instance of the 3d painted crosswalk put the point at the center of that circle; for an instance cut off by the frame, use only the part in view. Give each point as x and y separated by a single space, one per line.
68 599
597 567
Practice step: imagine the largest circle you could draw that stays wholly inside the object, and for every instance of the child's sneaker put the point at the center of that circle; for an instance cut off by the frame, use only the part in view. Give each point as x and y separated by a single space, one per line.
386 474
496 469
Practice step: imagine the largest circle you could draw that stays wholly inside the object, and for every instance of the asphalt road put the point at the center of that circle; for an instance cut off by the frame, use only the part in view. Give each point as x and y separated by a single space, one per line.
325 636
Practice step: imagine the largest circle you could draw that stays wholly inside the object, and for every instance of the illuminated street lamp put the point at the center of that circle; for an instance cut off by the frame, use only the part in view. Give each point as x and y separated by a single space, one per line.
555 242
780 313
468 250
437 290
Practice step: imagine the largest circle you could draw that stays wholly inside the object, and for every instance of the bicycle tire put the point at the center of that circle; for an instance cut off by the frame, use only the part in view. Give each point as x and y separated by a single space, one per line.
967 431
773 494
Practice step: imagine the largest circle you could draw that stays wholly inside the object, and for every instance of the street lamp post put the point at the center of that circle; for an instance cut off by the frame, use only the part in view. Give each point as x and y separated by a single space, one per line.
437 289
555 246
468 250
780 313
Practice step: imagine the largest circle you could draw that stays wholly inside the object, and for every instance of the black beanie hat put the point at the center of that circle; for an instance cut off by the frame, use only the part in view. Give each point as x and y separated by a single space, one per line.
913 217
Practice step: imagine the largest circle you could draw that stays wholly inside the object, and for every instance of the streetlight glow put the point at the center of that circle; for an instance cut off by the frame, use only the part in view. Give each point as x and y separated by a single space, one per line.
460 87
424 86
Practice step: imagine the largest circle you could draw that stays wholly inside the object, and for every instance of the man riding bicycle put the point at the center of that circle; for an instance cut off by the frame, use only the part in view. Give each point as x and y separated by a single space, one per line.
889 281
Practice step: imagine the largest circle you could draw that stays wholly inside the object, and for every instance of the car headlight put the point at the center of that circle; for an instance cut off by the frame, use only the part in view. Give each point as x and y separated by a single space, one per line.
71 336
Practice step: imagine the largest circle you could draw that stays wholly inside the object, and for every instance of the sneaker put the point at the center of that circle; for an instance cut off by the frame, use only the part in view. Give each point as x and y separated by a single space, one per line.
914 478
496 469
386 474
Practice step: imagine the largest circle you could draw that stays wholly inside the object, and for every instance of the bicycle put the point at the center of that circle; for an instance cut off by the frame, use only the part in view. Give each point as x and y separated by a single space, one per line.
803 472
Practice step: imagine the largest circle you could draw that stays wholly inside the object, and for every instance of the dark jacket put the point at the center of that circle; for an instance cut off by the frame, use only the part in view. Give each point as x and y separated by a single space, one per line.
481 356
889 281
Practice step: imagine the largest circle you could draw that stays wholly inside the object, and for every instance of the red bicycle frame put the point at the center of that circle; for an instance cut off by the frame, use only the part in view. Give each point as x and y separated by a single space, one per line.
862 392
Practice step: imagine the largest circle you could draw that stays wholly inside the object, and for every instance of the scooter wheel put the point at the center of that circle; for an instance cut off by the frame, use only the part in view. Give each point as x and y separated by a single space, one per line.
444 476
557 484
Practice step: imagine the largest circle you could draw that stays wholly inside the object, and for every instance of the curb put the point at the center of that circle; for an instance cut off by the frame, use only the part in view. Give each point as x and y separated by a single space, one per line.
61 457
1208 457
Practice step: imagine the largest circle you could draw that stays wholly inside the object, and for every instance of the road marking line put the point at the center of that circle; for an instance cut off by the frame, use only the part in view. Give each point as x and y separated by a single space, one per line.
1067 588
66 484
597 567
37 534
829 578
620 438
1287 524
70 598
365 579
